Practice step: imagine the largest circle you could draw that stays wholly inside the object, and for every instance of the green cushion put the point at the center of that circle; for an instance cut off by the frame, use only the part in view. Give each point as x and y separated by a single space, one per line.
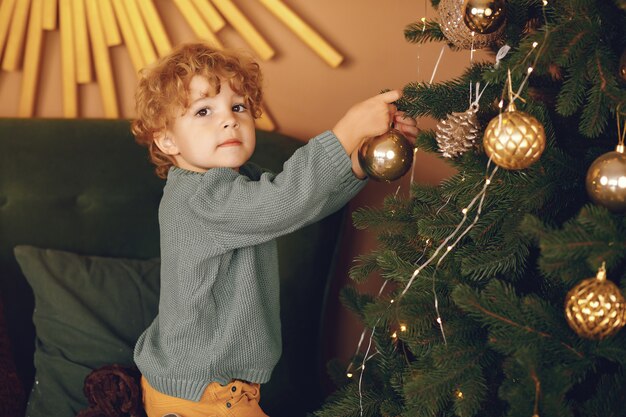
88 313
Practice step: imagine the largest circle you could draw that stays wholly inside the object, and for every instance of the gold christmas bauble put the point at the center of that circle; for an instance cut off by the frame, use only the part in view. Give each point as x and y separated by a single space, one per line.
386 157
606 180
514 139
595 308
456 31
484 16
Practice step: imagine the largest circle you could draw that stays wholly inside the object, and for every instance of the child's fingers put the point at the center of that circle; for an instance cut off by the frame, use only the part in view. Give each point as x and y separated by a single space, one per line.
408 130
390 96
402 117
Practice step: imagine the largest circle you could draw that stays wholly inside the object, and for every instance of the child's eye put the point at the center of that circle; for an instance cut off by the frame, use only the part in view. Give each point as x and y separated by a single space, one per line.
203 112
239 108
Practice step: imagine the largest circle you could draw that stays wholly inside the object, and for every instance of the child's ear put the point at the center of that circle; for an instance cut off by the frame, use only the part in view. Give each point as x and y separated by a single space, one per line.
165 143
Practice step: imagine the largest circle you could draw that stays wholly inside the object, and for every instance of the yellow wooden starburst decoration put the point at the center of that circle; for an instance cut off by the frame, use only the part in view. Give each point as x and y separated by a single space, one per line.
88 28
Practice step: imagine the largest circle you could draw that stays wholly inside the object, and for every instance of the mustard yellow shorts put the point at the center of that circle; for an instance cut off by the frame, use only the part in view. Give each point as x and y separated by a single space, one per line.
236 399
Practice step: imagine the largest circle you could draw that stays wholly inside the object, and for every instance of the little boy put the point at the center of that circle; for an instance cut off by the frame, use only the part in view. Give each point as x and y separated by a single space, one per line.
217 335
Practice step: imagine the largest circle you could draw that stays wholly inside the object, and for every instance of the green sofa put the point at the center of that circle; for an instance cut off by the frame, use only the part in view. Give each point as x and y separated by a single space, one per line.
82 192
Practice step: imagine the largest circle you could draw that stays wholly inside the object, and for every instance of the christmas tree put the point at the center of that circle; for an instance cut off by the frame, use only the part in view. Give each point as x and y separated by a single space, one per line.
503 285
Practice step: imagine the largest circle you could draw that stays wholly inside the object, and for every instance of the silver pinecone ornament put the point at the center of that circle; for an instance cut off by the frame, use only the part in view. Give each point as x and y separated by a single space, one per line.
458 133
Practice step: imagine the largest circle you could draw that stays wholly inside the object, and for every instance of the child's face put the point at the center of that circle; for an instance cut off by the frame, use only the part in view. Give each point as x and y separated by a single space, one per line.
213 132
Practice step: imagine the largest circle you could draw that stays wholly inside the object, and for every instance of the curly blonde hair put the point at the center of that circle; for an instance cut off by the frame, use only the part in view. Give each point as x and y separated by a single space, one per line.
163 90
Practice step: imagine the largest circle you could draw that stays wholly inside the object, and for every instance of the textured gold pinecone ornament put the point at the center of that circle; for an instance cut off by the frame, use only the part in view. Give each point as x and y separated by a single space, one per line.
514 139
458 133
595 307
451 21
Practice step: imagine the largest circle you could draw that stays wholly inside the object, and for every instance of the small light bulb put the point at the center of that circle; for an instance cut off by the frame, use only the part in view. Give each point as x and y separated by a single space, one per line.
394 335
423 20
459 394
449 248
501 103
349 374
464 211
403 328
535 44
545 2
439 320
392 300
530 69
488 181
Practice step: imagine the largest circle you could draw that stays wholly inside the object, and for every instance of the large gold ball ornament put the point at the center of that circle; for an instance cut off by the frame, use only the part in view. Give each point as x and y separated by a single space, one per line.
595 308
456 31
514 139
484 16
386 157
606 180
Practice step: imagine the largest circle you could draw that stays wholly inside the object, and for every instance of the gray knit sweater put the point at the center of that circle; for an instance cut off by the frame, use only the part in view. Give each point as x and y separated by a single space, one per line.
219 308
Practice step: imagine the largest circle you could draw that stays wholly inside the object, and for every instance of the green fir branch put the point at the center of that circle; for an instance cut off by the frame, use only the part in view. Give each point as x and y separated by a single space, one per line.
422 32
498 307
581 245
354 301
364 265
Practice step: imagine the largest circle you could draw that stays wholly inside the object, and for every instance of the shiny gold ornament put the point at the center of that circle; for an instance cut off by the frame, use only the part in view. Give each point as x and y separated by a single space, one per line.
451 15
622 66
606 180
484 16
595 308
458 132
386 157
514 139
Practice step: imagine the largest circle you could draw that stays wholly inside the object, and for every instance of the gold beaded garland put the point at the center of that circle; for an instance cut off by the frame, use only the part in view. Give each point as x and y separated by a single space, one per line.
595 308
386 157
514 139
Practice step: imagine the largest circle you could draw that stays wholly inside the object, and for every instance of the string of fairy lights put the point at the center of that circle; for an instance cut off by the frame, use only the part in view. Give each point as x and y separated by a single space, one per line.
465 224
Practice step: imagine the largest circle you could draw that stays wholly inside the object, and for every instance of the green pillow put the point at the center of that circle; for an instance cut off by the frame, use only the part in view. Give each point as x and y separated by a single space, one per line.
89 311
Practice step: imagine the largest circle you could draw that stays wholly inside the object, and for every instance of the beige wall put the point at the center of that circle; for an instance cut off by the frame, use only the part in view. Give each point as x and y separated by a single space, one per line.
304 95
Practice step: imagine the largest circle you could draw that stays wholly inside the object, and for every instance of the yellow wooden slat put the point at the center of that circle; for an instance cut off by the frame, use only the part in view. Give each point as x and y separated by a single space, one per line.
199 26
155 27
141 33
243 26
129 36
102 61
304 32
265 122
13 53
6 13
68 66
32 57
50 8
210 14
111 31
82 55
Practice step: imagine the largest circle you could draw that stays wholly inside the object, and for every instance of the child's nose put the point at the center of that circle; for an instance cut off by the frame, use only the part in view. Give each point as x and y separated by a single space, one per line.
230 121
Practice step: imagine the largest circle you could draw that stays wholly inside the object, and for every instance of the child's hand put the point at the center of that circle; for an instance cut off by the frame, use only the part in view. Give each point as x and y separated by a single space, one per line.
407 125
368 118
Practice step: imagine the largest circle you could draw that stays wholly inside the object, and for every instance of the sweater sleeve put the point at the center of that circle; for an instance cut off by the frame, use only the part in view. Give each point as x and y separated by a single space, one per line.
315 182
